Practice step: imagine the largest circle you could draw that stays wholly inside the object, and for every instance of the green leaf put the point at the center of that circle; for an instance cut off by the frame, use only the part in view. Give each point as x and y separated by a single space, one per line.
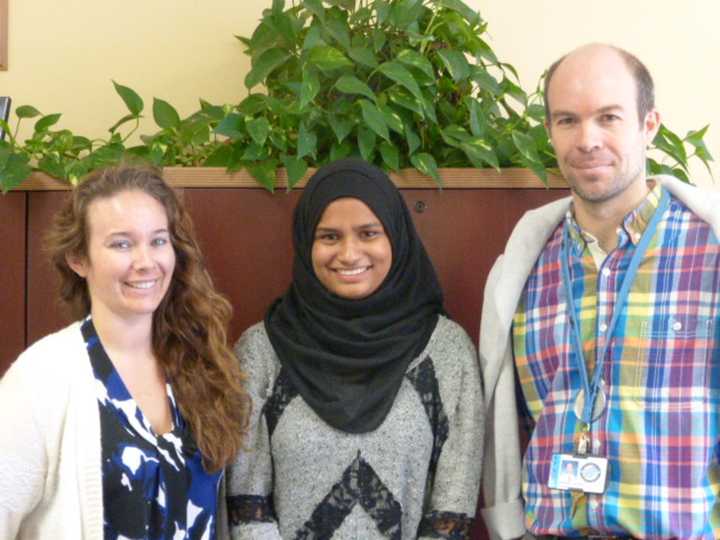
403 13
341 127
307 142
398 73
81 143
258 128
364 56
390 155
392 119
264 172
313 38
374 119
463 9
133 102
52 165
414 59
220 157
383 12
46 121
456 133
109 154
340 151
266 63
165 114
366 142
429 109
671 144
14 171
27 111
538 168
232 126
486 81
340 31
693 137
253 104
254 152
278 6
379 37
528 154
536 112
525 145
296 169
515 91
350 84
310 87
412 138
125 119
456 64
478 121
404 99
315 7
279 140
480 152
328 59
427 165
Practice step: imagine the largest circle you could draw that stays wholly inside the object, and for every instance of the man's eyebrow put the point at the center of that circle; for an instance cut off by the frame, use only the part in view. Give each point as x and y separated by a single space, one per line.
604 109
554 114
608 108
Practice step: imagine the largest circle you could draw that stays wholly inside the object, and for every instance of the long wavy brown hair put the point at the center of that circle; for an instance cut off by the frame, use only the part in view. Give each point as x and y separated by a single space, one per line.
190 324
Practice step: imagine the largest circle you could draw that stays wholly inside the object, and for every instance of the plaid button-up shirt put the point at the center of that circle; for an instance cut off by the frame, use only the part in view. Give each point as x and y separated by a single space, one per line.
661 428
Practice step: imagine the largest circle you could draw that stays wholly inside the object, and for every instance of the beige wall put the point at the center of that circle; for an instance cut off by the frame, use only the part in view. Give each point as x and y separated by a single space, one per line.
63 54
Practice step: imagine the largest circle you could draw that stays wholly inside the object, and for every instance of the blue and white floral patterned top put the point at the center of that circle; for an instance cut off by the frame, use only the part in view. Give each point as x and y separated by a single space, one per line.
154 487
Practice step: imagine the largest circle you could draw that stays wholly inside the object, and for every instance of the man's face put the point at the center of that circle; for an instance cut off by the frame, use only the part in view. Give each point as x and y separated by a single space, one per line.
594 127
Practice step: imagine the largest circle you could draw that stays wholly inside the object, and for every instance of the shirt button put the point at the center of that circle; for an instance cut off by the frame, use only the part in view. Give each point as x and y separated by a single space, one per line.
596 445
603 327
677 326
606 272
593 504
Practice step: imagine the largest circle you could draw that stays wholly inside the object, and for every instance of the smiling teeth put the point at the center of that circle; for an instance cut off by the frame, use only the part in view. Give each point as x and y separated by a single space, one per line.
142 284
354 272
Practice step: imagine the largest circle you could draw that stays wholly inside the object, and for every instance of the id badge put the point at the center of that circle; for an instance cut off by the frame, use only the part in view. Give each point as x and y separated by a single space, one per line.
578 473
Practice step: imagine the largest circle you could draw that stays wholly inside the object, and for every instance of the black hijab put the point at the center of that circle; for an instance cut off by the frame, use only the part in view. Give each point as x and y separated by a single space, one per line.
347 358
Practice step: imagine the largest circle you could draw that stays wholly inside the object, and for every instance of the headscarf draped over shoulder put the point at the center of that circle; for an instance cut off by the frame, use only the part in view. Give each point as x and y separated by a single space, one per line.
347 358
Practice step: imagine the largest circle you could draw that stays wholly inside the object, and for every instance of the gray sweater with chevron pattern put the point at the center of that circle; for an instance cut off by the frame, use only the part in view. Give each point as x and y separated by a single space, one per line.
416 476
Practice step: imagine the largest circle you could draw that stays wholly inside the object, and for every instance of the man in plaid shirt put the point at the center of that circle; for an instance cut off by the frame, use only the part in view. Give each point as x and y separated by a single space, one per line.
601 331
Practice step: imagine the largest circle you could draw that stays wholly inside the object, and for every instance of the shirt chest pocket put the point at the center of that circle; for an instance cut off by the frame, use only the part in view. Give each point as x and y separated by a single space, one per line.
673 362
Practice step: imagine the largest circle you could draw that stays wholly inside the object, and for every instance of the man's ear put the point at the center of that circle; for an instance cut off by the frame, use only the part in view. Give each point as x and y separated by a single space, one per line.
651 125
78 264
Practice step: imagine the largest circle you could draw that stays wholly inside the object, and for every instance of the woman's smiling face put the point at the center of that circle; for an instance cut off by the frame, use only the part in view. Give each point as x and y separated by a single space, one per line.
130 258
351 252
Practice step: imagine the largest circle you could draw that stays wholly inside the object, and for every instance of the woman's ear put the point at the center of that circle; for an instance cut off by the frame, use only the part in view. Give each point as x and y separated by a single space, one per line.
78 264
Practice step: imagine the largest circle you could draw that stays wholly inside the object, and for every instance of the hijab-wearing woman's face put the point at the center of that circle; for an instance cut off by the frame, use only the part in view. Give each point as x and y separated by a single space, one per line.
351 253
130 258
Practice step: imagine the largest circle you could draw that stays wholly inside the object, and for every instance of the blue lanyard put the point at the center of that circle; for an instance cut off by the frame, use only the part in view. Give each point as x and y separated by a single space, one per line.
592 388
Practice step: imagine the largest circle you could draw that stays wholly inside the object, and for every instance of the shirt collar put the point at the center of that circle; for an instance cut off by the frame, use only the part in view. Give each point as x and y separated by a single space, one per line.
633 224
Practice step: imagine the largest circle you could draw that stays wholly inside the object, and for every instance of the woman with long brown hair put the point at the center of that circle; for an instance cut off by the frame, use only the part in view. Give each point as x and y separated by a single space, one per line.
120 425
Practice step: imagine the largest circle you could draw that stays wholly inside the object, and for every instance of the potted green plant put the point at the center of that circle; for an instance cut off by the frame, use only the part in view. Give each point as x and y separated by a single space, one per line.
402 83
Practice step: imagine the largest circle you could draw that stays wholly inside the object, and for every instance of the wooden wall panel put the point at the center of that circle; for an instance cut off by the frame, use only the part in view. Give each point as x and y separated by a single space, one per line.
12 277
245 236
45 314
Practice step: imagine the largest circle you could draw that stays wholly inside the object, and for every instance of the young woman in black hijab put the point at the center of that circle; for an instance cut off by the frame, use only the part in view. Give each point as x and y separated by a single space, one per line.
367 415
